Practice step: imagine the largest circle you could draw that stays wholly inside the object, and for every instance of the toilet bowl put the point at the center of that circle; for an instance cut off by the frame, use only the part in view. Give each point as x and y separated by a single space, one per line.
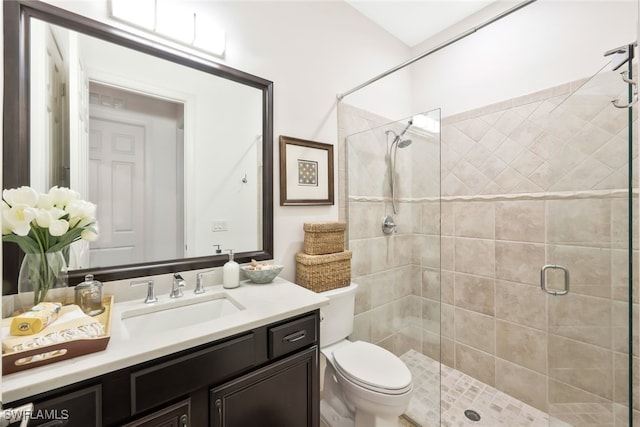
364 385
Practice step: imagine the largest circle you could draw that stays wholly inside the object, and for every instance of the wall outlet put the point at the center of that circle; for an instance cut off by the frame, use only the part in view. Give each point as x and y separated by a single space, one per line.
219 225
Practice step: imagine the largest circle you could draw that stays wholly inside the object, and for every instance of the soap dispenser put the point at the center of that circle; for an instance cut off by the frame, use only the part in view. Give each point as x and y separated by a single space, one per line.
231 273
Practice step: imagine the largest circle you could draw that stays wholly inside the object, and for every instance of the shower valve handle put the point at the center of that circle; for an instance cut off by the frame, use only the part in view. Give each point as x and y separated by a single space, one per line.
388 225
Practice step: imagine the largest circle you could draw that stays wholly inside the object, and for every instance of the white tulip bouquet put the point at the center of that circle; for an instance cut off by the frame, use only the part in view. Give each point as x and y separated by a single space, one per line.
44 224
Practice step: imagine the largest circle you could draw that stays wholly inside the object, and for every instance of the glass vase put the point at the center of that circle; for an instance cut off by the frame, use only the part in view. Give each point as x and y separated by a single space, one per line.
42 277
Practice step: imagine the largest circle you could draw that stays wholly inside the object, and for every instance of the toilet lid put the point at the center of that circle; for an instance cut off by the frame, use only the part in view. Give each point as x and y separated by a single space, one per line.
373 367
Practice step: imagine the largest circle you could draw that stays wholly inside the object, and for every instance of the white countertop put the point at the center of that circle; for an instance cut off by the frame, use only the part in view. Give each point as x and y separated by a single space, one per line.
262 304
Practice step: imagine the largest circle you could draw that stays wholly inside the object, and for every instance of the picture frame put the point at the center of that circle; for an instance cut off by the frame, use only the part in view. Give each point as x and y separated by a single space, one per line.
306 172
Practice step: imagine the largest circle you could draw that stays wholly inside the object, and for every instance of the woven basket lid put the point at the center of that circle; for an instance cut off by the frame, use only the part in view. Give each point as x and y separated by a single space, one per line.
325 226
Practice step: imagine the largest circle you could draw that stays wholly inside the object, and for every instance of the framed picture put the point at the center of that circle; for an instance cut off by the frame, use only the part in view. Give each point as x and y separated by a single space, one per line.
306 172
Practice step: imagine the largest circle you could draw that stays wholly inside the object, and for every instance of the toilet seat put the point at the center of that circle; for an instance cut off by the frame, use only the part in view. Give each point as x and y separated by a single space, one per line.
373 368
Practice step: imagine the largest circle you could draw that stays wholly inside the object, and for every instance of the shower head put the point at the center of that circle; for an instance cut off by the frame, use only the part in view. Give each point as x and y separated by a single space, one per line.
397 139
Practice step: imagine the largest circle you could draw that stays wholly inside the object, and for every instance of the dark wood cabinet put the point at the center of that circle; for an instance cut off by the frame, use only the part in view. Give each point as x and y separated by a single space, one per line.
266 376
178 415
79 408
282 394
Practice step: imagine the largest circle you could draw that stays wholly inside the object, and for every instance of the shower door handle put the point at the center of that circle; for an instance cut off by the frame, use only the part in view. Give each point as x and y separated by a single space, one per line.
543 279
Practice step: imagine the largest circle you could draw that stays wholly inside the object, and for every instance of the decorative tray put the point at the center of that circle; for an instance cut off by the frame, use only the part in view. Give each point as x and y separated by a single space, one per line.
15 361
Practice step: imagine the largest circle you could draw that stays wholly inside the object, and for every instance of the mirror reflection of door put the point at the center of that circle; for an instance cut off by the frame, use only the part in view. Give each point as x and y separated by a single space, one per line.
135 150
49 61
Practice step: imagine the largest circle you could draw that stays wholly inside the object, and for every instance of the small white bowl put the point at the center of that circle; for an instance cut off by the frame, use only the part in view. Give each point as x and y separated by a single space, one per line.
265 275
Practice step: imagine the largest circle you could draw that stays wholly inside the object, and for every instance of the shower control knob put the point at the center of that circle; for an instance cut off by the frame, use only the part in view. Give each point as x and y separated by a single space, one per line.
388 225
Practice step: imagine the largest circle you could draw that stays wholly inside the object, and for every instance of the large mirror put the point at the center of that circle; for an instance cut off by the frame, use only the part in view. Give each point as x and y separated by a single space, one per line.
175 150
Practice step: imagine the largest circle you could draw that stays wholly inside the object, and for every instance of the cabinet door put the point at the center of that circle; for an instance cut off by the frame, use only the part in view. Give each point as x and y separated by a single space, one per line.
283 394
81 408
177 415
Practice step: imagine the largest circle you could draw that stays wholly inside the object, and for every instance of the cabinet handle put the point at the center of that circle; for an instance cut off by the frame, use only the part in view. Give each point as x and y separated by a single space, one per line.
219 406
296 336
184 420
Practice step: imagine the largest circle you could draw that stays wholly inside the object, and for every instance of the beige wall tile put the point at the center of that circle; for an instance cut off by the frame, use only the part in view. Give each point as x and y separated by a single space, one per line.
447 353
364 219
363 294
583 318
560 393
585 222
431 345
476 363
361 327
429 218
447 253
407 312
431 315
447 285
431 284
528 386
447 322
521 220
523 346
381 322
474 219
522 304
447 218
408 338
475 256
581 365
361 257
519 262
383 255
589 268
475 330
403 282
475 293
381 285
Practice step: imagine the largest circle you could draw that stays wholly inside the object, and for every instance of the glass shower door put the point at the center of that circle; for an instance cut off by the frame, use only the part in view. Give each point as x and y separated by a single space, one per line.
585 275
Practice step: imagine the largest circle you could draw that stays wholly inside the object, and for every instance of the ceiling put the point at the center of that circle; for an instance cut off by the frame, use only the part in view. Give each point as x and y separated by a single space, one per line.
412 22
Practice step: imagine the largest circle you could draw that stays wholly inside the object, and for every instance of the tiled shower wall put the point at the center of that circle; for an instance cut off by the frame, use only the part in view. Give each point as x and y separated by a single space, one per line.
534 180
390 301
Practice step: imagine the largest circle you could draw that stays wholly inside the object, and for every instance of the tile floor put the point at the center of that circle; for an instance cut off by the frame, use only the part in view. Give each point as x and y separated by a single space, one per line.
461 392
457 392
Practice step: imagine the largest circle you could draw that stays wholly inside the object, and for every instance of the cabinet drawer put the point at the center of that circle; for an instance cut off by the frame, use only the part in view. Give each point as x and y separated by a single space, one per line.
81 408
161 383
293 335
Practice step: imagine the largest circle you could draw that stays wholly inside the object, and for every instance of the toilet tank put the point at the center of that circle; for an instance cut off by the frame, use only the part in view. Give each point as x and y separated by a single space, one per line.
337 318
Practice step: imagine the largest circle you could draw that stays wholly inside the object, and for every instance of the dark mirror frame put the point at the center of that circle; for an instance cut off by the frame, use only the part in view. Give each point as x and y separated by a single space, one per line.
16 134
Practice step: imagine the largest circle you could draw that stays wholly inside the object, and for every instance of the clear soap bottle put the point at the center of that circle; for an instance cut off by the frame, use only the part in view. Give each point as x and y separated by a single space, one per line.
88 295
231 273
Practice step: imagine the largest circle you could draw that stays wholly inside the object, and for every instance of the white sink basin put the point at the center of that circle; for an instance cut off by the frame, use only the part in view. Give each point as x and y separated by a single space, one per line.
179 313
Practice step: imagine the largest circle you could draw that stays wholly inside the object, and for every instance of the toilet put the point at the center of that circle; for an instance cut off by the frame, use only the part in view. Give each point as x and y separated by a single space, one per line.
364 384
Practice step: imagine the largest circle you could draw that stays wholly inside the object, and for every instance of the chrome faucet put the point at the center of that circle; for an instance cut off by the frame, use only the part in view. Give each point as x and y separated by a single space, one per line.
178 284
199 284
151 292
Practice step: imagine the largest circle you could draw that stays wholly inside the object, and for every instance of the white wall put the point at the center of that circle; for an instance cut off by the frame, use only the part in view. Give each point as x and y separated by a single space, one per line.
311 51
545 44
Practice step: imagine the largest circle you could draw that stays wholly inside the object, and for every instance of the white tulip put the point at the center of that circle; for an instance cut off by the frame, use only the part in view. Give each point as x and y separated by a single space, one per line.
22 196
81 209
62 196
43 218
58 227
90 235
19 219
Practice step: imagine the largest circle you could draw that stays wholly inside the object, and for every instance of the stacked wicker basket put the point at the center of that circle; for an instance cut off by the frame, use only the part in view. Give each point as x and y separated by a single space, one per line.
324 264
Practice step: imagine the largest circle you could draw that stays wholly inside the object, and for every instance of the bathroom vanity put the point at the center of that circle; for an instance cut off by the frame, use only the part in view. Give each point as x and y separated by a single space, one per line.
256 367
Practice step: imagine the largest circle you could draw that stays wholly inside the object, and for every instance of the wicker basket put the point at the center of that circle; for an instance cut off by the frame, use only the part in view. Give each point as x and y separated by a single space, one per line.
323 272
324 237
